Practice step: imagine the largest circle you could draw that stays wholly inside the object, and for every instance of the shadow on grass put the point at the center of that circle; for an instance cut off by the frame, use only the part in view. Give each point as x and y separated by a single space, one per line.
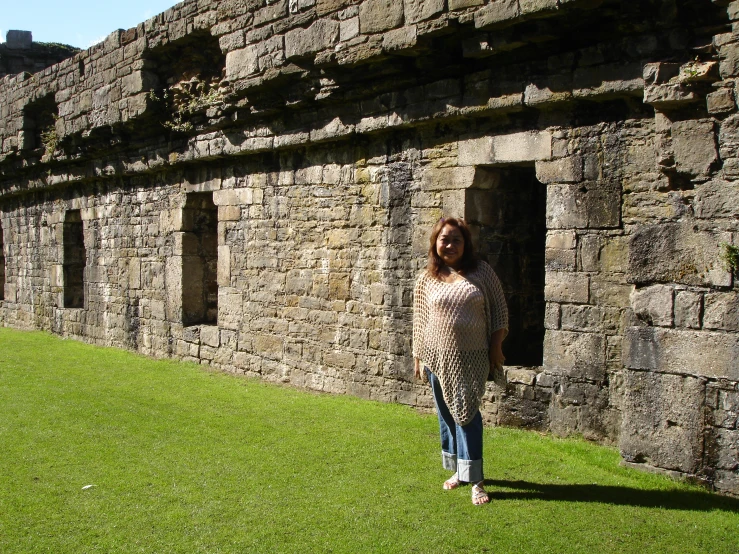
669 500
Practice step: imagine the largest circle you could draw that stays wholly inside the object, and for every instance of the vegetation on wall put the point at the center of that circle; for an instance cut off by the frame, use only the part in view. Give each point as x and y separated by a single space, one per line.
730 257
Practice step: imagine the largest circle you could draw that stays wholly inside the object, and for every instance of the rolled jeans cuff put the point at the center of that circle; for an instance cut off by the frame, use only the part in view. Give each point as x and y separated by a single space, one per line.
448 461
469 471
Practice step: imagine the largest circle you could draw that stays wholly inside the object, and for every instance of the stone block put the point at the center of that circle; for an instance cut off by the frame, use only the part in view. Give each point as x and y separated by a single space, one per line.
694 146
717 199
521 376
446 178
462 4
563 170
299 281
705 353
348 29
609 294
721 311
497 11
516 147
418 10
653 305
669 96
535 6
229 213
233 197
720 102
676 253
399 39
170 221
224 266
582 318
662 421
269 346
561 240
590 249
210 336
454 204
578 355
339 287
134 273
376 16
688 308
725 449
729 56
138 81
271 12
556 259
552 316
230 308
565 286
322 34
339 359
589 205
242 63
56 275
173 281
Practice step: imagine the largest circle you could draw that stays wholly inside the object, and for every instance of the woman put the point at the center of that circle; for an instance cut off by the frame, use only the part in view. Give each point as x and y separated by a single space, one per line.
459 322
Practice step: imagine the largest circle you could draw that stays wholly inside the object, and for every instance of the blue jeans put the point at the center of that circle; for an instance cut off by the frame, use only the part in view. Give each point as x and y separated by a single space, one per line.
461 445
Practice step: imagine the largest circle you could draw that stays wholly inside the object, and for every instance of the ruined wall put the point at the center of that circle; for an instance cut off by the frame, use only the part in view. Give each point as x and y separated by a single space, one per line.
20 54
250 185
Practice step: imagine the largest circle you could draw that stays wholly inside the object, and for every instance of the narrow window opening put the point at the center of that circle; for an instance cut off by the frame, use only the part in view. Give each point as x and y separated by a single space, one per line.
39 124
200 260
2 265
75 259
509 214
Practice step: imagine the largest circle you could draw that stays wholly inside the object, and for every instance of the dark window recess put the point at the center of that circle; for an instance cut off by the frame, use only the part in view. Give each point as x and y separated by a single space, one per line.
200 260
75 259
510 216
2 265
39 121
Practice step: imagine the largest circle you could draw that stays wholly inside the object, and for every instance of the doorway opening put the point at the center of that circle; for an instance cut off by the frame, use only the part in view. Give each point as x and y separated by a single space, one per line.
200 260
508 214
75 259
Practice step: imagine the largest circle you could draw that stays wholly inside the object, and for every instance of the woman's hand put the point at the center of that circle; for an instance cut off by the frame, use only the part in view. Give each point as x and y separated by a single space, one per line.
417 368
496 356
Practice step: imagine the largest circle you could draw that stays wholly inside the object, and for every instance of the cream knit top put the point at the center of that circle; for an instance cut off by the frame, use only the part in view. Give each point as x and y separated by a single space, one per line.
452 327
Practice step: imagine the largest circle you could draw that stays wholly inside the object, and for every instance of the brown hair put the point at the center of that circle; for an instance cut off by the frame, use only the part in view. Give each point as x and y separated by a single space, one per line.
469 259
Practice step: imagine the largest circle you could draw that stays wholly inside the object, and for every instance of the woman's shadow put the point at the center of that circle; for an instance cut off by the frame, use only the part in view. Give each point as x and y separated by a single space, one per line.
667 499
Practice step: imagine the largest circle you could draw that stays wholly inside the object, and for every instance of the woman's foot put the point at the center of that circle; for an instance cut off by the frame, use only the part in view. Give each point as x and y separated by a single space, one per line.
479 494
452 483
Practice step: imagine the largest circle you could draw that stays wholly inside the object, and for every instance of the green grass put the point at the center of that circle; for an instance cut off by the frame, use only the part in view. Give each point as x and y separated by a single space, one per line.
184 460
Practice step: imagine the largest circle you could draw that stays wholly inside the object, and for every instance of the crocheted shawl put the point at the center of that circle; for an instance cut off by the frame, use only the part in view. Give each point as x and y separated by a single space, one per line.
452 327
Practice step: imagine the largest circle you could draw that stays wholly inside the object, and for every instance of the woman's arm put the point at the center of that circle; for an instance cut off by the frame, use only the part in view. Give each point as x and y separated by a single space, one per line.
420 317
495 354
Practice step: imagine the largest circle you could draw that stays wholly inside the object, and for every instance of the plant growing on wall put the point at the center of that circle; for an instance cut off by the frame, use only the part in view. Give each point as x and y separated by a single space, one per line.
187 98
730 256
50 139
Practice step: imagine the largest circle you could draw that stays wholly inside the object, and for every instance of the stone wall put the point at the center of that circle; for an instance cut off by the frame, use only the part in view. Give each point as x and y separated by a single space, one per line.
253 184
20 54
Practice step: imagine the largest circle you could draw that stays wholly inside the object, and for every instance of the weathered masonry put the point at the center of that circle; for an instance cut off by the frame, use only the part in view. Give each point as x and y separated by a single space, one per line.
250 183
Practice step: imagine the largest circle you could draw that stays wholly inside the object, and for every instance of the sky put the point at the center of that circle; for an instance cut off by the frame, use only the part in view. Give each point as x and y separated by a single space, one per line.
79 23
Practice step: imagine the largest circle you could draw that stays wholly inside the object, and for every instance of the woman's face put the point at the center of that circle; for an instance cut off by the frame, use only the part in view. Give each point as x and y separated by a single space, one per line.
450 245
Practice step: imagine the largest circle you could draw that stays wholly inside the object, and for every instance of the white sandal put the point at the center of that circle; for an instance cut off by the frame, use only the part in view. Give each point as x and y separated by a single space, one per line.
479 494
452 483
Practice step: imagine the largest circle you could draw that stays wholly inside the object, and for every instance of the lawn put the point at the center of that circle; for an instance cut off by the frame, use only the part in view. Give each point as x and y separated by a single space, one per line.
107 451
